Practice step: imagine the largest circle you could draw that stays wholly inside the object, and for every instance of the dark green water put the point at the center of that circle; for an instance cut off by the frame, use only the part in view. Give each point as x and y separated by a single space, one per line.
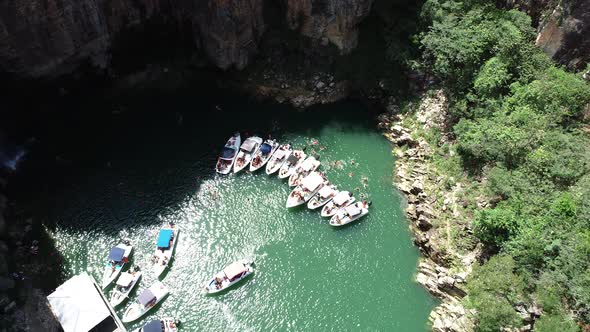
126 179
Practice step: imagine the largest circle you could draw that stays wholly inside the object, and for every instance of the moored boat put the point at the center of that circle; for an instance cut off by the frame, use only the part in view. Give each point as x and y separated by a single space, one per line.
309 165
116 260
323 196
247 150
293 161
278 158
350 213
160 325
145 302
166 242
340 200
124 285
229 276
228 154
263 154
309 186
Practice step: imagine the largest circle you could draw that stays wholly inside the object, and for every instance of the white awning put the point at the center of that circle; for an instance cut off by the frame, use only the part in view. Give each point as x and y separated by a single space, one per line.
79 306
326 191
352 210
307 165
341 197
249 144
312 181
125 279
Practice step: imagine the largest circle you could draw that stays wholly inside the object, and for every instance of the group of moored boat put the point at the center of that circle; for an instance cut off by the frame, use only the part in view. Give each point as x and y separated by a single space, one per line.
311 186
166 241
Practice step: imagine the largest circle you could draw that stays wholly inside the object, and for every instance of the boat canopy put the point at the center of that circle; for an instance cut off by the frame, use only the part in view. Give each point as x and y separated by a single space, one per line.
265 148
153 326
292 159
146 297
164 238
79 307
341 197
116 254
307 165
227 153
326 191
312 181
352 210
234 270
125 279
249 145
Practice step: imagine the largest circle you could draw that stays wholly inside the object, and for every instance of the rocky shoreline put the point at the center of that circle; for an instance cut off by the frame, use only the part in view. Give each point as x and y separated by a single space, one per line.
416 179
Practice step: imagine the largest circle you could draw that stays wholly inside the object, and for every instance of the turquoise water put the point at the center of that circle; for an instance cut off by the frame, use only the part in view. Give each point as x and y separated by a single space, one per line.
309 275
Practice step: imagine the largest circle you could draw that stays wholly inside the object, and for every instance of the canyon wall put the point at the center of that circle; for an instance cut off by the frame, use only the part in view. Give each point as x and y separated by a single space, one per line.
40 38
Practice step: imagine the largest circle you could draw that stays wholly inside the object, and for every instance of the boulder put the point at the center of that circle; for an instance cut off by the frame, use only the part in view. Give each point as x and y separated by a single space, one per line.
417 187
423 223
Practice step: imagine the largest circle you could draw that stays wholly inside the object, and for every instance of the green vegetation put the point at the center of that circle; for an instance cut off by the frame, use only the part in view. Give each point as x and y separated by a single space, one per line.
519 124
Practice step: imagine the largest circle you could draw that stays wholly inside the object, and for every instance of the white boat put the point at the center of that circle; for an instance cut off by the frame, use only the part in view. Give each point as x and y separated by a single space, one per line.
340 200
323 196
263 154
309 186
293 161
160 325
278 158
124 286
145 301
228 154
166 242
118 257
350 213
247 150
230 275
309 165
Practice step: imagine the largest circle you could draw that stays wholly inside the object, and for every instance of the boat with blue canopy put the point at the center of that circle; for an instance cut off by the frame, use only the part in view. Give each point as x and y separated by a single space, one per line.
165 244
267 149
228 154
160 325
116 260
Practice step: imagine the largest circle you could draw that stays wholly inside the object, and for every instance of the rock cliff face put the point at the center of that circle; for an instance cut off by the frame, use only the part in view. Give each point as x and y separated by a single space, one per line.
52 37
563 29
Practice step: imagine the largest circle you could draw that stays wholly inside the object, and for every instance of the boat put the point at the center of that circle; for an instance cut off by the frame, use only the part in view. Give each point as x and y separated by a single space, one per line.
247 150
116 260
323 196
309 165
160 325
229 276
309 186
340 200
228 154
263 154
291 164
167 239
278 158
350 213
145 302
124 286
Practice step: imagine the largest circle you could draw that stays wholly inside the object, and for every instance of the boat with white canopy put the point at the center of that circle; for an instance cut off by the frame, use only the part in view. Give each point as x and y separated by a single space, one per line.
145 302
247 150
160 325
165 244
309 186
293 161
350 213
229 276
116 260
124 285
228 154
340 200
264 153
309 165
278 158
323 196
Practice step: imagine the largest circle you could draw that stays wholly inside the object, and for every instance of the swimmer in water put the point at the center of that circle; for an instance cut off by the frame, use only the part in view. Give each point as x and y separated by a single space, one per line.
351 174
